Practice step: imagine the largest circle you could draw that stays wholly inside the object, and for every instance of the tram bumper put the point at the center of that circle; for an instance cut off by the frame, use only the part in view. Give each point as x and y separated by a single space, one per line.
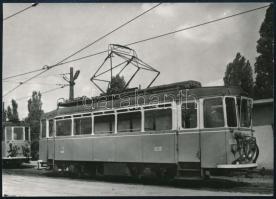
237 166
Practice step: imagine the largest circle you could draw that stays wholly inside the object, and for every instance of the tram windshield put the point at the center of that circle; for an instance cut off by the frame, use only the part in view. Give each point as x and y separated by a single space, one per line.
18 133
245 111
9 133
27 133
213 113
231 112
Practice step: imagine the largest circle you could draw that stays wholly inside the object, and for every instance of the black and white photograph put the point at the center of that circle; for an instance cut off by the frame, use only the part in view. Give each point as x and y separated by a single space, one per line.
137 99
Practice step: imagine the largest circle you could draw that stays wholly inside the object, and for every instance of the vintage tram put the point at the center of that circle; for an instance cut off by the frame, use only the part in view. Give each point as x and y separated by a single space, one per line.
175 130
16 147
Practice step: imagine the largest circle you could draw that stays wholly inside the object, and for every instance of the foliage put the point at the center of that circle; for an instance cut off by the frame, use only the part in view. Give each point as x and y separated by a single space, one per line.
4 115
13 150
117 84
239 73
264 62
12 113
26 150
34 115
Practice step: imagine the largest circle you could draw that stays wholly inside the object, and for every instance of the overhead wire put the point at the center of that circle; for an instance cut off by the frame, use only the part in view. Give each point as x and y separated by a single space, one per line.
22 74
195 26
20 82
151 38
85 47
102 37
165 34
12 15
44 92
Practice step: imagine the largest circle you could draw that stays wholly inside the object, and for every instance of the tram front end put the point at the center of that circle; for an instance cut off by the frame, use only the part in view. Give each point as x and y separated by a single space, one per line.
227 140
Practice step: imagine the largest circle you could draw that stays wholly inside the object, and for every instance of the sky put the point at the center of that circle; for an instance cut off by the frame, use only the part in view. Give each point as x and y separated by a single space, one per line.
49 32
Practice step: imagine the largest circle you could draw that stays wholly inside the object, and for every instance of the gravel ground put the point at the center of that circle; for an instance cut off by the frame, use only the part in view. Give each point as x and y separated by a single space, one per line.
18 185
28 181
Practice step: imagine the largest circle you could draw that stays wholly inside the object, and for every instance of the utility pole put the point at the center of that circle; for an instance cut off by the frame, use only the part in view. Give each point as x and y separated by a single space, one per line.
71 82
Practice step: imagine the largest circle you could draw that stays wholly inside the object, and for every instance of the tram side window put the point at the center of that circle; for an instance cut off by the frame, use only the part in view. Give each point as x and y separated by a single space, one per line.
43 128
51 128
9 133
27 133
104 124
18 133
129 122
231 112
213 113
63 127
189 115
160 119
82 126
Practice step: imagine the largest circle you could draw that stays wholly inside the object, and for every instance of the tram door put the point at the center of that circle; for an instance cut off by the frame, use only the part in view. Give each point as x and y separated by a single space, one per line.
43 142
188 133
50 139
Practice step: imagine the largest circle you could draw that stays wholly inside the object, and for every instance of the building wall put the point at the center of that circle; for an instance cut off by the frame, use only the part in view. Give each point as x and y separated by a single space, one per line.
263 114
263 125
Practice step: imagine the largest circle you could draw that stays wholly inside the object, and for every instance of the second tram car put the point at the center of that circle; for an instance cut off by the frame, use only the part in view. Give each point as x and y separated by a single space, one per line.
171 131
16 147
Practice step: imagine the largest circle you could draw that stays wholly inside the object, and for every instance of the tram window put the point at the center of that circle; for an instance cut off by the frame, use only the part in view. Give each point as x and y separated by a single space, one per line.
231 112
160 119
43 128
63 127
189 115
26 133
244 107
82 126
129 122
51 128
213 113
18 133
9 133
104 124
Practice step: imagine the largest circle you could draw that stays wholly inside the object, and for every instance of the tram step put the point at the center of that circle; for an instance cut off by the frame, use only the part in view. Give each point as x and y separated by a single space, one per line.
188 173
188 178
192 170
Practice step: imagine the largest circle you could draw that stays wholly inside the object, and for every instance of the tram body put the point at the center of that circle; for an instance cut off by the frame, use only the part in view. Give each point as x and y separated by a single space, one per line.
168 130
16 147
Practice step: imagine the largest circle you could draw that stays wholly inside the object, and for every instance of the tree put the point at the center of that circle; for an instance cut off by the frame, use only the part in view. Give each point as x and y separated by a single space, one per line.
12 113
9 113
4 115
34 115
264 62
117 84
239 73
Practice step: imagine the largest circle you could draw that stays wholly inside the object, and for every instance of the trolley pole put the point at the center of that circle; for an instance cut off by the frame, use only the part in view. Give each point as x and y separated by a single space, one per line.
71 82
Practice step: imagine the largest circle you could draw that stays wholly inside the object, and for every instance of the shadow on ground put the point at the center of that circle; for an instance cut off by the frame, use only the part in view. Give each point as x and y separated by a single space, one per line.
210 184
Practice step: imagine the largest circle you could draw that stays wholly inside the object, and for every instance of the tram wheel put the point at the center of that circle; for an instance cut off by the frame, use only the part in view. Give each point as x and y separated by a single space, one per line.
135 171
205 174
169 173
55 169
72 170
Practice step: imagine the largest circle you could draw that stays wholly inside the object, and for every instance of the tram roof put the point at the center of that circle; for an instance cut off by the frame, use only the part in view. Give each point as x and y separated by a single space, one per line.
194 89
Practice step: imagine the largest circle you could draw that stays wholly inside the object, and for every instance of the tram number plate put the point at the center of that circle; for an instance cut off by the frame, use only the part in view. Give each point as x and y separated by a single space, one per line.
157 148
61 150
